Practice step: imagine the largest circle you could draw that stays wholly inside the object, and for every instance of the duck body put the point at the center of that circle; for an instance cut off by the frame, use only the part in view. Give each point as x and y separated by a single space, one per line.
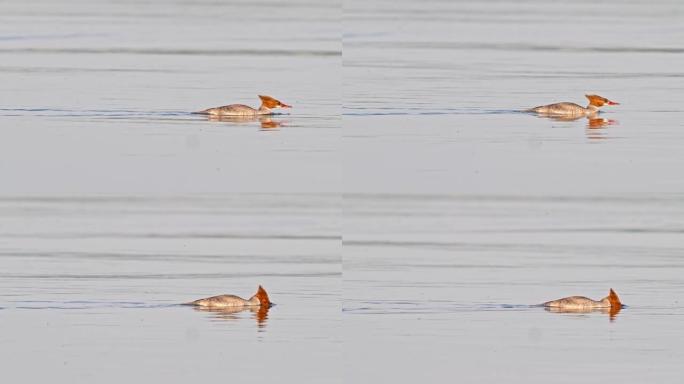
226 301
578 302
267 104
260 299
567 109
236 110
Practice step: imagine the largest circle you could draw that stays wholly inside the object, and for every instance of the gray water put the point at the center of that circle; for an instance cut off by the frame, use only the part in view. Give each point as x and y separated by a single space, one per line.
404 216
117 204
461 214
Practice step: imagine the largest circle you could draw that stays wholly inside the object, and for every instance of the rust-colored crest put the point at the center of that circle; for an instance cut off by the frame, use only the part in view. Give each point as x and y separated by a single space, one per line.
596 100
269 102
263 297
614 299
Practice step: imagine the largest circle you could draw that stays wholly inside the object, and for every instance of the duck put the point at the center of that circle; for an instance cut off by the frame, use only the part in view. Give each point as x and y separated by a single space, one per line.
581 303
567 109
259 299
267 104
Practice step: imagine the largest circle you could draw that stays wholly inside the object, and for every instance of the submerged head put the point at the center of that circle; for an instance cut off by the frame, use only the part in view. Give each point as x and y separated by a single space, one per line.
262 296
270 103
599 101
614 299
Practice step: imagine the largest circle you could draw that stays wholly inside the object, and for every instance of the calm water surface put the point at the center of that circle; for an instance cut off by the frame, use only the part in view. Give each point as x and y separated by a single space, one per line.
461 213
117 204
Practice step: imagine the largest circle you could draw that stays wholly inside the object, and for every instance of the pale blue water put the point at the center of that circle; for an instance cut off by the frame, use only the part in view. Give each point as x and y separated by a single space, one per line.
117 204
461 213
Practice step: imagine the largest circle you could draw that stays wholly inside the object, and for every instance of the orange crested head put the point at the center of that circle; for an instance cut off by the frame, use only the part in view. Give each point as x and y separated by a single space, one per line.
269 102
263 297
599 101
614 299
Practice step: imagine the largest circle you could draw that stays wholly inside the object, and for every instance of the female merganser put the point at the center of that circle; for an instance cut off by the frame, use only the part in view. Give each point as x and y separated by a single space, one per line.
267 103
572 109
583 304
260 299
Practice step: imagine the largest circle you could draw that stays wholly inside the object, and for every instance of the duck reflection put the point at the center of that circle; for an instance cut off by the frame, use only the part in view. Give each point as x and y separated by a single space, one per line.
260 313
600 122
612 312
267 123
594 126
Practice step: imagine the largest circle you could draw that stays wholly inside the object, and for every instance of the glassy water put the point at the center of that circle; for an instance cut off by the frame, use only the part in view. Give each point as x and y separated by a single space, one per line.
462 213
117 204
459 213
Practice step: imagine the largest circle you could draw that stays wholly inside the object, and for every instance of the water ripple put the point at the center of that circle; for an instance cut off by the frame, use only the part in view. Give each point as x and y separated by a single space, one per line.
177 52
518 47
164 276
157 235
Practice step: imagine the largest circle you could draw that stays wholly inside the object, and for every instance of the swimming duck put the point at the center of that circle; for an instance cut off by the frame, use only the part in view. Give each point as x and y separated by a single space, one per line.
260 299
267 104
572 109
581 303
